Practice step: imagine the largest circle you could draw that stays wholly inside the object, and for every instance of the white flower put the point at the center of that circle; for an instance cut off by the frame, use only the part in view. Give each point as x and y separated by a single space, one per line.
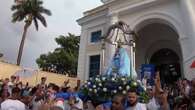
124 82
115 91
90 89
113 79
95 90
94 86
85 86
123 79
124 92
103 78
100 84
104 89
97 79
134 84
127 87
89 83
120 88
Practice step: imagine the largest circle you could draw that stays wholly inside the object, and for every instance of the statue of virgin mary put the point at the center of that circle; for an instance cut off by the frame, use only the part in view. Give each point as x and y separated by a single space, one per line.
121 64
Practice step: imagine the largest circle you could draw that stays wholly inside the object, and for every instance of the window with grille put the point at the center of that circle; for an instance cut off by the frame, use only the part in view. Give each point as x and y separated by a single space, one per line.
94 65
95 36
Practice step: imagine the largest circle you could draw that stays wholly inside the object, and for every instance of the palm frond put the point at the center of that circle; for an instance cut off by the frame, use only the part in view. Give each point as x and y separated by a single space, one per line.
16 7
30 7
45 11
15 18
36 23
41 19
18 16
38 2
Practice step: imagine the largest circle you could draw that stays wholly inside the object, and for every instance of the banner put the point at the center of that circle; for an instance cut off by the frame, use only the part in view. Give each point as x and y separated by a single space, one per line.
148 72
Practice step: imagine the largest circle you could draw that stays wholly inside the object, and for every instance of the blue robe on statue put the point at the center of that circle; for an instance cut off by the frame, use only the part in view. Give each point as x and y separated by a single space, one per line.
121 64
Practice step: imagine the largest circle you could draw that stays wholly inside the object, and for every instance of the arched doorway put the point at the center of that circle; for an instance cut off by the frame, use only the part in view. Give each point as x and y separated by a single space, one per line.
168 63
155 40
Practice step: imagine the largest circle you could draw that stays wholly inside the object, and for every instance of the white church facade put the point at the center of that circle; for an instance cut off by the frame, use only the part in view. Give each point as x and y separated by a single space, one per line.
165 29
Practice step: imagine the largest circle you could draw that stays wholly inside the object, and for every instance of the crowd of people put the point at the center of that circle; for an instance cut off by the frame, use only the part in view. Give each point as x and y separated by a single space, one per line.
15 95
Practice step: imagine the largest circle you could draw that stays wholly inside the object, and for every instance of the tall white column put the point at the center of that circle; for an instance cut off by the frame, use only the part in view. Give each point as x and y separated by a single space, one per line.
188 44
102 58
82 61
188 14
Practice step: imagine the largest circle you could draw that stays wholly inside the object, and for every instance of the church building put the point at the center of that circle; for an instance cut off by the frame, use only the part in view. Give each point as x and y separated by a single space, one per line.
165 36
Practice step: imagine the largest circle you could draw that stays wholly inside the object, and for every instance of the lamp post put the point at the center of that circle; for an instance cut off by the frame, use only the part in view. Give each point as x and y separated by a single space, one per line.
120 34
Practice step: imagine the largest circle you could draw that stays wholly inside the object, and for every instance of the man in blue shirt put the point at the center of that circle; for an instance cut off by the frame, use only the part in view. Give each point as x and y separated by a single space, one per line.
118 103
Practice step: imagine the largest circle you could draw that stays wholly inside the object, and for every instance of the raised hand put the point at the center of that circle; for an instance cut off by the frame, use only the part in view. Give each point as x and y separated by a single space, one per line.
165 104
157 83
66 83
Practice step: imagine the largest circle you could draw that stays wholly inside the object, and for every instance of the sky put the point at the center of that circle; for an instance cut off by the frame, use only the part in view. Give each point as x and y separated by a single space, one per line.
63 20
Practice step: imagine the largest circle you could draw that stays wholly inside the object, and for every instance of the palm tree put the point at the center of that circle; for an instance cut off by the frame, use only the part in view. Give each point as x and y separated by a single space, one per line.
28 11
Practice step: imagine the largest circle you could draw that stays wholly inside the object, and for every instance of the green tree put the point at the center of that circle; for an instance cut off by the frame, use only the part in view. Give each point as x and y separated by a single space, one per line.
28 11
63 59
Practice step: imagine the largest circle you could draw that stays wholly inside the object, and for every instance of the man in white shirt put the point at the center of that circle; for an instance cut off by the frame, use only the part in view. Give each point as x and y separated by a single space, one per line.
132 99
13 103
152 104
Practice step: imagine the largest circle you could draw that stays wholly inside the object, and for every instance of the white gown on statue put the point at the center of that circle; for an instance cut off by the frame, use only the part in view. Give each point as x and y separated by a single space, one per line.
122 64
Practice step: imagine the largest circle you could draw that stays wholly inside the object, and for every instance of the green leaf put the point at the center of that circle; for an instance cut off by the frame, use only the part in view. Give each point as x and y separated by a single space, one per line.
36 23
64 57
41 19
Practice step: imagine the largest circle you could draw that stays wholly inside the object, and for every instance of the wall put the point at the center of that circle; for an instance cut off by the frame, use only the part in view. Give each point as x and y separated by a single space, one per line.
6 70
87 49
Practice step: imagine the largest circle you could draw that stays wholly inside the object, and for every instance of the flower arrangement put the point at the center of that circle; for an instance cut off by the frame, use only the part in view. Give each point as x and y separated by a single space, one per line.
101 88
